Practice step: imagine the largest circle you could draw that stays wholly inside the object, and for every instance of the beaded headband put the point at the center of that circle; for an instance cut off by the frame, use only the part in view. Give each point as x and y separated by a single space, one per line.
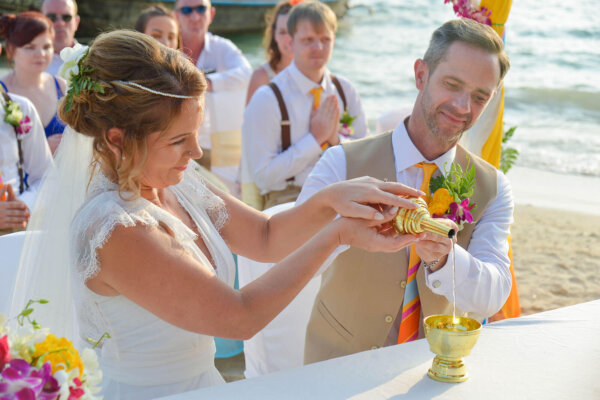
78 77
147 89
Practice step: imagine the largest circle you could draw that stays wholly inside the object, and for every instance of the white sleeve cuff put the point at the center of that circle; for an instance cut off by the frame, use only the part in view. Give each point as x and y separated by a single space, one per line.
308 146
440 281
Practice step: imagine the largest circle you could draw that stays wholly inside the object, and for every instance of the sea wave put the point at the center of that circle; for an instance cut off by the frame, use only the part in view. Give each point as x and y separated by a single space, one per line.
571 97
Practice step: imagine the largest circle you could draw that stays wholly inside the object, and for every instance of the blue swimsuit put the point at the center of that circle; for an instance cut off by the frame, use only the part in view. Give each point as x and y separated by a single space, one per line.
55 126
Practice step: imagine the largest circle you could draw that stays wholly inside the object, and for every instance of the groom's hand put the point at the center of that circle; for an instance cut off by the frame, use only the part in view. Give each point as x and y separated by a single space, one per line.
433 247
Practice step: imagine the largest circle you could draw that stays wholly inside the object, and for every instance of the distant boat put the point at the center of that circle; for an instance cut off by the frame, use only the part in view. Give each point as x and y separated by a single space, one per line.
233 16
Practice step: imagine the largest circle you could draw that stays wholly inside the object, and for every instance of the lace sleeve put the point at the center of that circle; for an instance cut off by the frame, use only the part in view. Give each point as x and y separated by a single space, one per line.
92 226
194 186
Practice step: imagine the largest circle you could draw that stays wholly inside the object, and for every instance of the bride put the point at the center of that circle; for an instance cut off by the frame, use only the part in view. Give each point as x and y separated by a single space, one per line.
149 242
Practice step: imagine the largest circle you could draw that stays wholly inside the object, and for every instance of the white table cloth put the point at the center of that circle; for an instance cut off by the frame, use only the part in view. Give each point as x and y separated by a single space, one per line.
551 355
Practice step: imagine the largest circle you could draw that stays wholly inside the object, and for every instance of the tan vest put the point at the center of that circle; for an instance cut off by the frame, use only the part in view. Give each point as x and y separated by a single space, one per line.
361 293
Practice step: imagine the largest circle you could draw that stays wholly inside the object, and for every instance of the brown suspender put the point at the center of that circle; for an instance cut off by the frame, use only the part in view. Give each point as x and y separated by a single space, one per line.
285 119
338 86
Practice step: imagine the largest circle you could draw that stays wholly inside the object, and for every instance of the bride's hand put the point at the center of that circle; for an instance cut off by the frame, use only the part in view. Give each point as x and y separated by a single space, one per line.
357 198
367 235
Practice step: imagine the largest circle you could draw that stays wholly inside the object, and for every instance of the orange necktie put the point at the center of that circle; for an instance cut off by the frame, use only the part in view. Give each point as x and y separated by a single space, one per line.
411 307
316 92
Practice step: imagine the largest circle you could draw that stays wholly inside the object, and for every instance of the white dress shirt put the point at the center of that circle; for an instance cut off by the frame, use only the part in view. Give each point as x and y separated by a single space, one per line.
261 131
36 153
483 279
231 69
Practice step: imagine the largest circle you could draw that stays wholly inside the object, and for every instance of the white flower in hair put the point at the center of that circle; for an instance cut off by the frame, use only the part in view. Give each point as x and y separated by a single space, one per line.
71 57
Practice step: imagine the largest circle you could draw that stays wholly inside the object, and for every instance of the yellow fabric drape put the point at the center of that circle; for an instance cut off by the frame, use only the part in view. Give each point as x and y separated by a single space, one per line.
493 148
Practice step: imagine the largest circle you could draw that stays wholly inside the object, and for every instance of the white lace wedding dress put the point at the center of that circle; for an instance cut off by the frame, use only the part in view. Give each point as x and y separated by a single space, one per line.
146 357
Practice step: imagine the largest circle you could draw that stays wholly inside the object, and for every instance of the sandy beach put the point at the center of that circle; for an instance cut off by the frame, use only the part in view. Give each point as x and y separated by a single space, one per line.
556 238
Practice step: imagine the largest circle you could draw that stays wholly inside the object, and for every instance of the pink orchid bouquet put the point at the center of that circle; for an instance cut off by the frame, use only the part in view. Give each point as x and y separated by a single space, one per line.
467 9
451 195
24 127
35 364
345 127
15 117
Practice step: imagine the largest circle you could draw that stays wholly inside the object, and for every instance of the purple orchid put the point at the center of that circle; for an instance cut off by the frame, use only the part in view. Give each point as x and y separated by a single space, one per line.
460 213
24 126
465 9
21 381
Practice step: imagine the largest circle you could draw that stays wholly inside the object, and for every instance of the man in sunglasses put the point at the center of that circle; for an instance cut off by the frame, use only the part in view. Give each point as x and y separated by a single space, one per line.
227 74
63 14
224 64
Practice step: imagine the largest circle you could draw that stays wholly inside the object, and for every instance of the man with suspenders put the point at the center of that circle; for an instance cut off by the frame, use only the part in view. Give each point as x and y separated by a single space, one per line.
290 122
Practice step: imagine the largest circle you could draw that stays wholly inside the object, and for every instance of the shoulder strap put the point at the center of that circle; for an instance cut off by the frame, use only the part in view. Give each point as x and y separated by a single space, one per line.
285 119
338 86
58 89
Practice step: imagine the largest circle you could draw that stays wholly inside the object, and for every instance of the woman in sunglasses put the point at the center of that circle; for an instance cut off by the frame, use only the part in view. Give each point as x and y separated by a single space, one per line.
161 24
29 48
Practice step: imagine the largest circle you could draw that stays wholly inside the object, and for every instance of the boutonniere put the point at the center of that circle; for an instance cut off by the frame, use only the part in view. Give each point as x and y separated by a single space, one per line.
345 129
451 195
15 117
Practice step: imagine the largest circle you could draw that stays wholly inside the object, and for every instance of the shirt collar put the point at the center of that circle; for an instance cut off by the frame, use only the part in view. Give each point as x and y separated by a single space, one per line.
406 153
207 39
306 85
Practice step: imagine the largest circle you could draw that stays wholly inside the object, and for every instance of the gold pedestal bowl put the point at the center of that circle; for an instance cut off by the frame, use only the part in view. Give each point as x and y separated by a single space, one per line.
450 340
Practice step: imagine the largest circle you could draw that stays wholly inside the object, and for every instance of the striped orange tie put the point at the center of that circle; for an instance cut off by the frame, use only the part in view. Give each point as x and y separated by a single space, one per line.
411 307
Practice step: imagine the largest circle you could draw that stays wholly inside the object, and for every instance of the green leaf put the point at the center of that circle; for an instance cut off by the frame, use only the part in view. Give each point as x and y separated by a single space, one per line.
26 312
508 134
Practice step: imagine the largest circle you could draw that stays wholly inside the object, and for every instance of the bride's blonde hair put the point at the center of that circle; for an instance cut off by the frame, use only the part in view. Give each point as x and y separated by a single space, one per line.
115 61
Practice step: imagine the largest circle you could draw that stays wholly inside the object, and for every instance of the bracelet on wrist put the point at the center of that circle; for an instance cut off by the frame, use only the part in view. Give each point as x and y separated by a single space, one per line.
428 266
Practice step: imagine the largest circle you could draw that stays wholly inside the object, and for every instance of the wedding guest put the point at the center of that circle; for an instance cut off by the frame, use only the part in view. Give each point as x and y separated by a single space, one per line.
223 64
280 155
277 42
29 48
459 73
151 242
28 144
161 24
63 14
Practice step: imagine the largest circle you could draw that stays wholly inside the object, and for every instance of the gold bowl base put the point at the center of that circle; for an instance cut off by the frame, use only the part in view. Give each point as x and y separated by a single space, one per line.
450 339
450 371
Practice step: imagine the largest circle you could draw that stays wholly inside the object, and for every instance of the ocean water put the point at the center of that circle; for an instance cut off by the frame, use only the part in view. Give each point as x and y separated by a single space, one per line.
552 89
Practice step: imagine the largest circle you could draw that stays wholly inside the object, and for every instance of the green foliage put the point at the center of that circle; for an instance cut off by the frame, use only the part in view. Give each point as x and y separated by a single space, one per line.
459 183
509 155
27 311
80 82
347 118
97 343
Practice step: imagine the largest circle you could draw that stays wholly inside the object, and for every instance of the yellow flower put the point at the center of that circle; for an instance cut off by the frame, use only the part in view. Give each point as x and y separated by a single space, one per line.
440 202
60 353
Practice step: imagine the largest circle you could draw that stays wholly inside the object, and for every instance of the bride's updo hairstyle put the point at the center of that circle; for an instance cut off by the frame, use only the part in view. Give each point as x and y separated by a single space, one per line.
117 61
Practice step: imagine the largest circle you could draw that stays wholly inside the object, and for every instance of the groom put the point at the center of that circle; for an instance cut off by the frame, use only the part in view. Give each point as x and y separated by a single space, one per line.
369 300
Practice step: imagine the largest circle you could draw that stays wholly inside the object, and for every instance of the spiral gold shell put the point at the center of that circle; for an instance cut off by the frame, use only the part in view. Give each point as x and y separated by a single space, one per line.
419 220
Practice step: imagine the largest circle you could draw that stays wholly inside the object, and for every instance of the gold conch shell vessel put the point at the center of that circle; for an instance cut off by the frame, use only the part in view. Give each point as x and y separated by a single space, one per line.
419 220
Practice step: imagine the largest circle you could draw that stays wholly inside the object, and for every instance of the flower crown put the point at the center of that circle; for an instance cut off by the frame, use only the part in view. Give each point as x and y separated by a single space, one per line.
78 78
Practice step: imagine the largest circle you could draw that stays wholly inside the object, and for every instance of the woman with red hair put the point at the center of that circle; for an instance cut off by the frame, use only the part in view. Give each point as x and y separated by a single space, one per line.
278 47
28 37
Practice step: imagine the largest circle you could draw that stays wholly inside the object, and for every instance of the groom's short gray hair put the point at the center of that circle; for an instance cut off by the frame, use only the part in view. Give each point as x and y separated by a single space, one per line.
470 32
